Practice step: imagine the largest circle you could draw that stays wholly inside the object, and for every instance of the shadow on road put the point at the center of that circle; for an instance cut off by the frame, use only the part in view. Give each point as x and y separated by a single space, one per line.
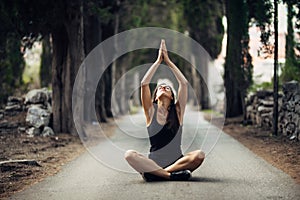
206 179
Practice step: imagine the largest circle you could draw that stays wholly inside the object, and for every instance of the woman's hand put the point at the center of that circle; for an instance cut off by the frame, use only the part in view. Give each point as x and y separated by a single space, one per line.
160 56
165 52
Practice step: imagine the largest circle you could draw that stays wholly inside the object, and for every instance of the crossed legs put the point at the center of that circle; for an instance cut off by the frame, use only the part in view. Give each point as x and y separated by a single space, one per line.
141 164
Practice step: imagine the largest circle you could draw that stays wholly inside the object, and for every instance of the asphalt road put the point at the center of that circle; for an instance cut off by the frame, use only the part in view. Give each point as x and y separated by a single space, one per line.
230 170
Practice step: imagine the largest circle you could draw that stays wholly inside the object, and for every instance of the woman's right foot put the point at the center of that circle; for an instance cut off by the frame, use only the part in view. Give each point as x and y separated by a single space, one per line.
182 175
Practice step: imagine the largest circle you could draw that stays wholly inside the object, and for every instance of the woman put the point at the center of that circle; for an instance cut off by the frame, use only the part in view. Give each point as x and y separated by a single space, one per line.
164 119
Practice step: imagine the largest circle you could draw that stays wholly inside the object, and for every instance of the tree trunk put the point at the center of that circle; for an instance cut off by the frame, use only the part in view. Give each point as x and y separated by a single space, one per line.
93 36
60 46
108 92
233 63
113 100
291 70
204 100
124 94
68 54
196 83
100 100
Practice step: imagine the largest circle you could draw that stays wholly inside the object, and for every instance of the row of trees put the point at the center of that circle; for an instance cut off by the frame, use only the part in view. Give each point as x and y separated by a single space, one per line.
238 67
71 29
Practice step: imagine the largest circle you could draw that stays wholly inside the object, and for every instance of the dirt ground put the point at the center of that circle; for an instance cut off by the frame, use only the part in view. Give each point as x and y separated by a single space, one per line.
47 155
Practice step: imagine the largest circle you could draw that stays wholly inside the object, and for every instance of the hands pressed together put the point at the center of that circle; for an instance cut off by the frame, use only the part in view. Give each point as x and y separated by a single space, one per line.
163 53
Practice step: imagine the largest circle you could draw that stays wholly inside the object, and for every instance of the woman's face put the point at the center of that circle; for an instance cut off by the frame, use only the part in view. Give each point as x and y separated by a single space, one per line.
164 90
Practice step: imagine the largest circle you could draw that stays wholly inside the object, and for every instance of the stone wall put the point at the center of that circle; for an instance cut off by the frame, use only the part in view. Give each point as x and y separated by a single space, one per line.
289 116
260 110
37 105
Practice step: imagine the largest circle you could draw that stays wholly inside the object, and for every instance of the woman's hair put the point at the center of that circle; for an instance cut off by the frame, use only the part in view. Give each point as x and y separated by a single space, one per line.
172 118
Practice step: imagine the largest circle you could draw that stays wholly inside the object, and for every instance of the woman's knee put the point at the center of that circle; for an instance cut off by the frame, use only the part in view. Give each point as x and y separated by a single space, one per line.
130 154
199 156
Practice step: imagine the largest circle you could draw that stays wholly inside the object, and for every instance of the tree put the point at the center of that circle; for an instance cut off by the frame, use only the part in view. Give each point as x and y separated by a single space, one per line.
99 24
233 73
204 20
69 56
11 59
238 67
145 13
64 21
291 70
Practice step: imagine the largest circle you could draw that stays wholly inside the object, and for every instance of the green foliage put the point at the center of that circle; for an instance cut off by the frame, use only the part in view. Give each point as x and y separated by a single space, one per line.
260 13
150 13
291 69
261 86
204 18
142 13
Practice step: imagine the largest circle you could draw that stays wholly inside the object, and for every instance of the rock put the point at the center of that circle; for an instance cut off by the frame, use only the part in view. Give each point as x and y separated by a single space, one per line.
33 131
37 96
263 109
17 100
290 87
12 108
290 106
21 129
1 114
37 117
297 97
8 124
290 128
267 120
47 131
49 107
261 94
267 103
14 105
297 108
3 124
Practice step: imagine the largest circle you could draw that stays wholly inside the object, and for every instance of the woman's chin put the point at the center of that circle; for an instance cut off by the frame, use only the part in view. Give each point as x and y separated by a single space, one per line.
162 96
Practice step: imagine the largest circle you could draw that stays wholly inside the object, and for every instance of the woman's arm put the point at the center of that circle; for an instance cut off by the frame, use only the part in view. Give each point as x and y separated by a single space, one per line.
145 89
183 83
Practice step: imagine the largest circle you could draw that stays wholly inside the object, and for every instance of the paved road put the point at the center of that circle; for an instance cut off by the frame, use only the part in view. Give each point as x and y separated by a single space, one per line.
230 171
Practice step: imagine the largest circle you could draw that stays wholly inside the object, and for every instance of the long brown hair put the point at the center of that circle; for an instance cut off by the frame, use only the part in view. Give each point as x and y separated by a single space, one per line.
172 118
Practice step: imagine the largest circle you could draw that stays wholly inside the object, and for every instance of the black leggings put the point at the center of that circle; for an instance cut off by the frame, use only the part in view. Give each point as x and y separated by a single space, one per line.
148 177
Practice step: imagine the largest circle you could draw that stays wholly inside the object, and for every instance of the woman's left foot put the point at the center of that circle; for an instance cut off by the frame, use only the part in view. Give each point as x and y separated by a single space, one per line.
148 177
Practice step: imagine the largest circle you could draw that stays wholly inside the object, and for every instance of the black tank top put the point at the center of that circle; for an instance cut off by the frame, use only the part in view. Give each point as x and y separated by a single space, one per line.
165 143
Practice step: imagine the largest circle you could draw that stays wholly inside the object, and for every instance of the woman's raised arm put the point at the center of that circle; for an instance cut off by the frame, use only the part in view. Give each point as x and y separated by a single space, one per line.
182 81
145 89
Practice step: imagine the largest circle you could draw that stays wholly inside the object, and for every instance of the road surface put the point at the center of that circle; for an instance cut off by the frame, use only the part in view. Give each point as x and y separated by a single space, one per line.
230 170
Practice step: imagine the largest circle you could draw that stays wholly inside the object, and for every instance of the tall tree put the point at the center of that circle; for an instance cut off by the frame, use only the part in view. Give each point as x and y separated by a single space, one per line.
238 67
99 25
237 29
291 70
167 14
204 19
11 59
67 22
